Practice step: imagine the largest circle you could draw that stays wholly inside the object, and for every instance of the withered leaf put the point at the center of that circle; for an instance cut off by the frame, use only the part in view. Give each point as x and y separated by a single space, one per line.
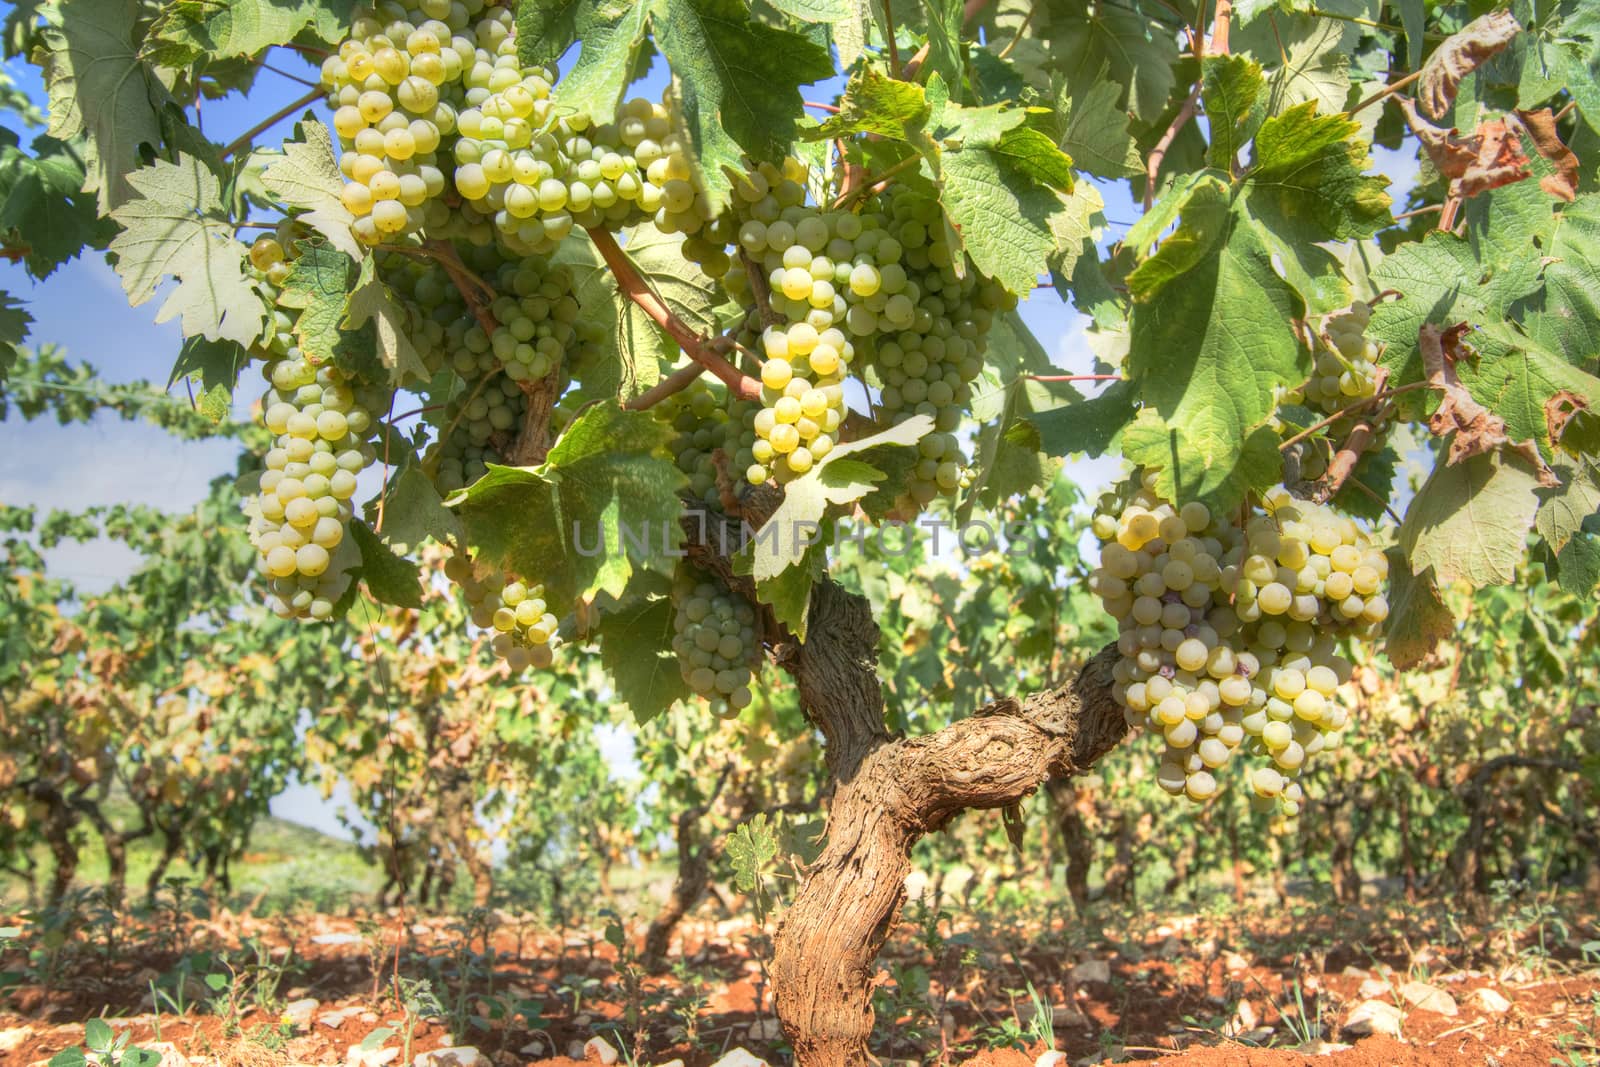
1462 53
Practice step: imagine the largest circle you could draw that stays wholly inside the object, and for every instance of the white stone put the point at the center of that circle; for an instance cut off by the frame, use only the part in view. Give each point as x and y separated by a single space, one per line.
336 1018
460 1056
1489 1000
575 1050
1092 971
671 1063
1051 1059
741 1058
371 1057
768 1029
336 939
12 1039
1356 972
1428 998
917 883
299 1012
599 1050
1373 1017
1372 987
1235 962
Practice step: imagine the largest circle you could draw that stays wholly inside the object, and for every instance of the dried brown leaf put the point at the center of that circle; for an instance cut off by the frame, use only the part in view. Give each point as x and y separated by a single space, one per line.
1490 158
1540 127
1559 410
1461 54
1473 429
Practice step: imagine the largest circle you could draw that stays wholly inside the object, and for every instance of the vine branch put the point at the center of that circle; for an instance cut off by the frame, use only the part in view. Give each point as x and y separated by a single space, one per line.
636 289
676 382
271 120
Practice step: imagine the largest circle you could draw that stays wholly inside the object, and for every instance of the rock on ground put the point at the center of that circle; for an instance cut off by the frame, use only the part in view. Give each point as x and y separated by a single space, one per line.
1428 998
1373 1017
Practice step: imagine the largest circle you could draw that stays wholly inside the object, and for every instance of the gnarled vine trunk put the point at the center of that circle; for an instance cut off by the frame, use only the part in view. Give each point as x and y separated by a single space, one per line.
888 792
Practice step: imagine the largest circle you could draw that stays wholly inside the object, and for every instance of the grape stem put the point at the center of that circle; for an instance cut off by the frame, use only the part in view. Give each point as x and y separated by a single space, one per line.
474 290
1344 461
877 183
675 382
760 288
1219 47
636 289
1386 91
888 33
431 466
1075 377
968 13
271 120
1357 406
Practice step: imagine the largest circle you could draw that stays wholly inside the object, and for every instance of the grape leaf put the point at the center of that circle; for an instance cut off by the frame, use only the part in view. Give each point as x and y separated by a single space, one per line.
390 578
1138 53
101 90
1231 91
1578 565
1418 618
563 522
1251 463
1095 131
636 650
750 848
14 323
1563 312
944 21
1517 379
371 301
1470 520
1091 426
1210 345
217 364
44 204
611 34
814 10
414 512
1563 511
307 179
319 285
875 103
1414 17
1315 64
191 31
1309 182
738 81
176 226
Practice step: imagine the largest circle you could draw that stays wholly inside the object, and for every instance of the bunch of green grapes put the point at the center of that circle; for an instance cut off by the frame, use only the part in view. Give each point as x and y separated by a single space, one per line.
269 265
700 417
299 514
397 84
432 304
539 320
1345 366
524 628
475 429
1229 635
536 174
715 641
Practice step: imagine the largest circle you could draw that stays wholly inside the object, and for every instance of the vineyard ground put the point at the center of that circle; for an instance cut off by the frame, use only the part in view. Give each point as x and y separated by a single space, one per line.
1232 986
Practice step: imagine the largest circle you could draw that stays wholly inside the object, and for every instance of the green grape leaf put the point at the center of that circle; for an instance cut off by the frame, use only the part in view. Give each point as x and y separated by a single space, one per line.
1310 183
636 650
814 10
1442 281
789 594
191 31
611 34
1095 131
390 578
1315 64
1231 91
175 226
563 522
1001 197
784 538
1006 449
413 511
944 22
877 104
45 206
306 178
319 285
1210 344
1418 618
751 848
371 301
1564 510
1091 426
100 89
1470 520
14 323
1563 312
738 83
1135 51
1578 565
1517 380
217 364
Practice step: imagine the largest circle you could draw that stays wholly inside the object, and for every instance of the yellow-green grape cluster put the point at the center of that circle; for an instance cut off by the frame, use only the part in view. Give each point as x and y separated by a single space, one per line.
715 642
524 628
537 174
1210 664
298 516
268 263
1345 367
396 85
538 316
481 422
699 416
436 315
